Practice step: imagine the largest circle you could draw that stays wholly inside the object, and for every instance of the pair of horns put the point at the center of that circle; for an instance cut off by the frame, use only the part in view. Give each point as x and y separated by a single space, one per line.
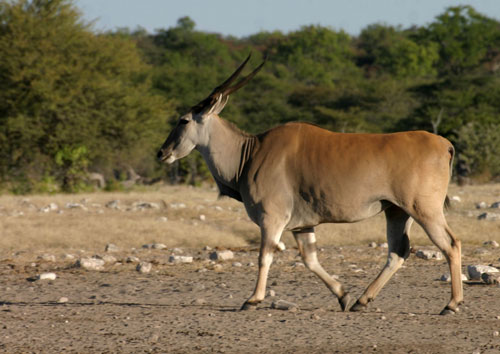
225 89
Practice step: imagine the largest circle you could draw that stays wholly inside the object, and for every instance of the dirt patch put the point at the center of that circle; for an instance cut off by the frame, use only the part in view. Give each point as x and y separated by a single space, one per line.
186 308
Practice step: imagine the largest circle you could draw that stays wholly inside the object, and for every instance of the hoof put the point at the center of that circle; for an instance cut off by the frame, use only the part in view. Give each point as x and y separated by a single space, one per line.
345 302
448 311
248 306
357 307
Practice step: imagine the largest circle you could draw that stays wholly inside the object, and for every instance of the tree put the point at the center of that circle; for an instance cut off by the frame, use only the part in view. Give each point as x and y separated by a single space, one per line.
64 87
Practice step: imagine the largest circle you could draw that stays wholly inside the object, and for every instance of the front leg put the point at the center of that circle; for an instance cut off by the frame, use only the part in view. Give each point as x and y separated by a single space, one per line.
271 231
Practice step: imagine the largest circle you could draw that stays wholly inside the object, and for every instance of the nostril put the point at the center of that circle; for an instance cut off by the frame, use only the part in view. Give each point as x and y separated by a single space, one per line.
160 154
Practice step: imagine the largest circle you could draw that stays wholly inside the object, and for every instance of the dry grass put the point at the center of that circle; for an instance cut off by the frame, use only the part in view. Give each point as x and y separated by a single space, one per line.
226 222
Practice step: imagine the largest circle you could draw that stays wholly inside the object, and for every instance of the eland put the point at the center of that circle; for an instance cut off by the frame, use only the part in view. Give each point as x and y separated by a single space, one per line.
297 175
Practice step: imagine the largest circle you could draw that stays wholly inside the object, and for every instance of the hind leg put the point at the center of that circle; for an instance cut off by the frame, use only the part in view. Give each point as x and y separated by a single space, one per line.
439 232
306 241
398 227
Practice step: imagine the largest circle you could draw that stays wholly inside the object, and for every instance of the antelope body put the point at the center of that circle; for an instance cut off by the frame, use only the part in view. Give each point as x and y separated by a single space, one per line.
296 176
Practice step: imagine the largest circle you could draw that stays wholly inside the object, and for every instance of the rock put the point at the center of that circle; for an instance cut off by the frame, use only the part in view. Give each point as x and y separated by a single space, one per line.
372 244
178 250
111 247
132 259
447 277
90 263
203 217
63 300
68 257
428 254
222 255
47 257
144 267
145 205
271 293
47 276
75 206
384 245
284 305
158 246
493 244
114 204
481 205
456 198
49 208
180 259
491 278
207 248
237 264
109 259
281 246
178 205
475 271
488 216
200 301
495 205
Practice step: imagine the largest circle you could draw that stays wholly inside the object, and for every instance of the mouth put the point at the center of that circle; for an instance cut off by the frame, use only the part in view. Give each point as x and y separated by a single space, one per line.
167 158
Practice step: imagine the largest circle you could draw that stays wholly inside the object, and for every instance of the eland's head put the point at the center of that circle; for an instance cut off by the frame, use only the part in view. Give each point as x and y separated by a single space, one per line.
192 128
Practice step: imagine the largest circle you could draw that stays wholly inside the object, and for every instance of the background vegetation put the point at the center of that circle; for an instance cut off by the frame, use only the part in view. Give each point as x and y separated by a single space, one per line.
74 101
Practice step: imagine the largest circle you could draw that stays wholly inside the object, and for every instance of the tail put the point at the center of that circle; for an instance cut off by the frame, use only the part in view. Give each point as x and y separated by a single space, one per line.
451 151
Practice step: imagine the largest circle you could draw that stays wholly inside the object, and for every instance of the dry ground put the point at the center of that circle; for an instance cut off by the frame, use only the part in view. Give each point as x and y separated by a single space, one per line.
189 308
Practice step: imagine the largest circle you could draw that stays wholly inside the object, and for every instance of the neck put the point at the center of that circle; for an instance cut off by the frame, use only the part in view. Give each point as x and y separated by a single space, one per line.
227 151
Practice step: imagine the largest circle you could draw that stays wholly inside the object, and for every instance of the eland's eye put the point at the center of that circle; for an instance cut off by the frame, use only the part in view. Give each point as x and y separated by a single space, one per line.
184 121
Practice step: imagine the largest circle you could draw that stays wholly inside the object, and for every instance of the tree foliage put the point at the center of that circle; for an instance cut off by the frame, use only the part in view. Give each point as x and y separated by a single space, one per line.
73 100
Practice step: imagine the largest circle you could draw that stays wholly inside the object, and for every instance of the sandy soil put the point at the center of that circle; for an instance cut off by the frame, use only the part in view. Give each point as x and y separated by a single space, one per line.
189 308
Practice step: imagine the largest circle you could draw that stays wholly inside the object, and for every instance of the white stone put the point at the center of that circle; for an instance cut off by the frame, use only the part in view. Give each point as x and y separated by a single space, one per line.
271 293
284 305
493 244
158 246
63 300
111 247
144 267
495 205
237 264
481 205
145 205
489 216
47 276
223 255
180 259
447 277
384 245
475 271
114 204
372 244
456 198
203 217
178 250
109 259
90 263
491 278
429 254
132 259
47 257
75 206
207 248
